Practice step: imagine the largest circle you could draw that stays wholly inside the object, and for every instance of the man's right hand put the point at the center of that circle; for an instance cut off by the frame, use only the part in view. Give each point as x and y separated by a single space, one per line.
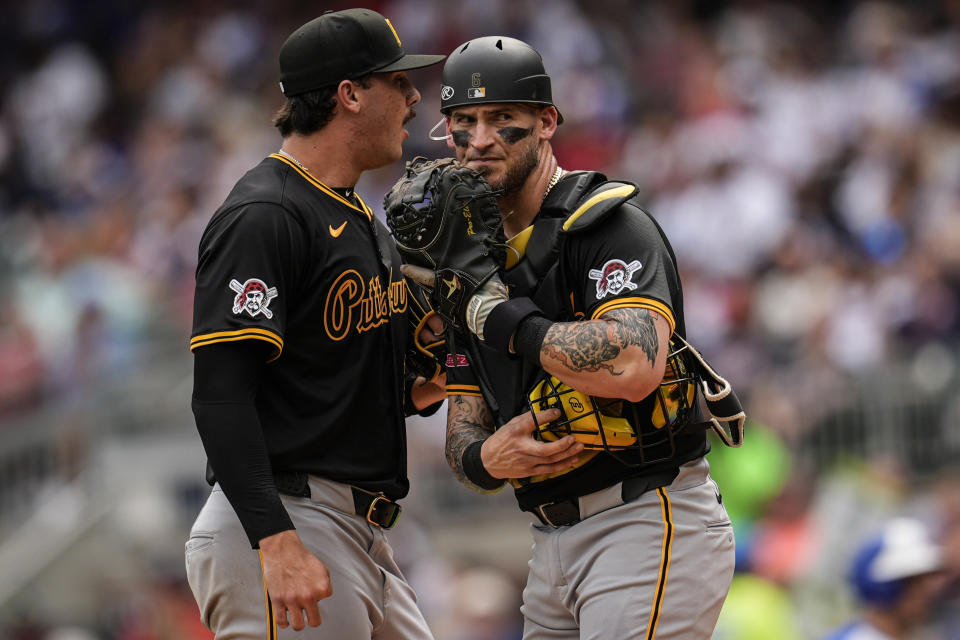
296 580
512 452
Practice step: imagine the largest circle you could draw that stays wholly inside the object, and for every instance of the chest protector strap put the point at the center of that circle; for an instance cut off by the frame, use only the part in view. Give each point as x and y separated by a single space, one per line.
577 203
598 206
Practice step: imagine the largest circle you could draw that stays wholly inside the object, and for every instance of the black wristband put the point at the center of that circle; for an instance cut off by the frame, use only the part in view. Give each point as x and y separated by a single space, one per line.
475 471
504 319
529 338
429 410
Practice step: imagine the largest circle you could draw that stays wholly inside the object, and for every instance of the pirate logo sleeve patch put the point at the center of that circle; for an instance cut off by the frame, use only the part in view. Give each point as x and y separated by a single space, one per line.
253 296
614 277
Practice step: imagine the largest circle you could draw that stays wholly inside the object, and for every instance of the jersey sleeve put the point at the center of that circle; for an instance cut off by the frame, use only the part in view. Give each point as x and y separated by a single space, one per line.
621 263
461 380
246 276
226 376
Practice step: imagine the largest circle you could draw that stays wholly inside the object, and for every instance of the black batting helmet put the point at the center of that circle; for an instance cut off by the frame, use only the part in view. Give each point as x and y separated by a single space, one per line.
494 69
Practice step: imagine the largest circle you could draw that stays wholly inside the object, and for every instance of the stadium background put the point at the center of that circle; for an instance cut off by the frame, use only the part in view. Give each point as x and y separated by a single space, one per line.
804 158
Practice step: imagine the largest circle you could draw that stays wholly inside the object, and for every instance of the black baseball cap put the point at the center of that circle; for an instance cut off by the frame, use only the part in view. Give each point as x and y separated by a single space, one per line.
341 45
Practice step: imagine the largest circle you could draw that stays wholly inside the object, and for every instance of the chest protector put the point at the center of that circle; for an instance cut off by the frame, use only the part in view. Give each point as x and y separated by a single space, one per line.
533 270
637 434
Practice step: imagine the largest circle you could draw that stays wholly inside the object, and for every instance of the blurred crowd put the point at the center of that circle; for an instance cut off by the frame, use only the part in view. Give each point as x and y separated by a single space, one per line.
803 158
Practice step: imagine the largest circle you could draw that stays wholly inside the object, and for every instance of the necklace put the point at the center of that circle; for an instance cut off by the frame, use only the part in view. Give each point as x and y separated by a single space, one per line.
290 156
347 191
554 179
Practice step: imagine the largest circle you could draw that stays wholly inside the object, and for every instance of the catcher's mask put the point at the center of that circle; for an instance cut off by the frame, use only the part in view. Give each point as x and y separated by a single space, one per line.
612 424
494 69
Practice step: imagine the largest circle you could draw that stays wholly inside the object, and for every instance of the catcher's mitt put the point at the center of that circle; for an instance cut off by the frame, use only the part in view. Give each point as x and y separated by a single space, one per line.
444 217
423 359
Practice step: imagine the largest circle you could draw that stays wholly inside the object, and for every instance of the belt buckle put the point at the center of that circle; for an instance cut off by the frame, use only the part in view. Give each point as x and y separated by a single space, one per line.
568 513
543 515
392 517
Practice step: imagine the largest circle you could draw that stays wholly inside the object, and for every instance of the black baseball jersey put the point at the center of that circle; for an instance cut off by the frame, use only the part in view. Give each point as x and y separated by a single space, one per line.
291 263
621 262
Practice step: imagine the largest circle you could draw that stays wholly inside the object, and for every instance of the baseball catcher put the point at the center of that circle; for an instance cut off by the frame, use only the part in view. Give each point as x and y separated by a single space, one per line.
445 220
573 380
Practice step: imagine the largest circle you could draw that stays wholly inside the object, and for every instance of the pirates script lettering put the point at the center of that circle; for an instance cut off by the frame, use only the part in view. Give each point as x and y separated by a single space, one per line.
362 305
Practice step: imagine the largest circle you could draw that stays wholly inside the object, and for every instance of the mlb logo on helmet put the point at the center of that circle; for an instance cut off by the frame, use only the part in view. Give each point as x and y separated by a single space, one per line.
476 91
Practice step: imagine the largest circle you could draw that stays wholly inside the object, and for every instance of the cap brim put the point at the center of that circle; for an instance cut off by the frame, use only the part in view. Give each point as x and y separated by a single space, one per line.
411 61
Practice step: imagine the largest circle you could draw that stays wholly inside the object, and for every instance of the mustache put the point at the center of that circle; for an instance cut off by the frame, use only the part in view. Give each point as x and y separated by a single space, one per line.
410 116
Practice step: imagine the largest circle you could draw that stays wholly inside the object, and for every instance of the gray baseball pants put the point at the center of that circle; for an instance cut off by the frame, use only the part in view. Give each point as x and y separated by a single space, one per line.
371 598
658 567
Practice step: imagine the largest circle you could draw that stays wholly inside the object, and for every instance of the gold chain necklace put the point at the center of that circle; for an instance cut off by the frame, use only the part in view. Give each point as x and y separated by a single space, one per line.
554 179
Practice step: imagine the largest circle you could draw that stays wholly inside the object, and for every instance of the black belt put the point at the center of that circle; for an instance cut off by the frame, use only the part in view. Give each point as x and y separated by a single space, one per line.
376 507
565 512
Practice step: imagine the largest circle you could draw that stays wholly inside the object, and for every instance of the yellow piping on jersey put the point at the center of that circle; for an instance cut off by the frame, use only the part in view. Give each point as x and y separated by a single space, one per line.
518 244
664 563
464 390
618 192
327 190
637 303
239 334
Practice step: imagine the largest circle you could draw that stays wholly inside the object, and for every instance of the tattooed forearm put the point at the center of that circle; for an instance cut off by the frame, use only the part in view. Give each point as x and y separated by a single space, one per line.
593 346
468 421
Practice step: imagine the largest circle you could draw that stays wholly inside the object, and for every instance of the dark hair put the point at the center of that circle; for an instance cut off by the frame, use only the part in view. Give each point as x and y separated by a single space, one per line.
309 112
